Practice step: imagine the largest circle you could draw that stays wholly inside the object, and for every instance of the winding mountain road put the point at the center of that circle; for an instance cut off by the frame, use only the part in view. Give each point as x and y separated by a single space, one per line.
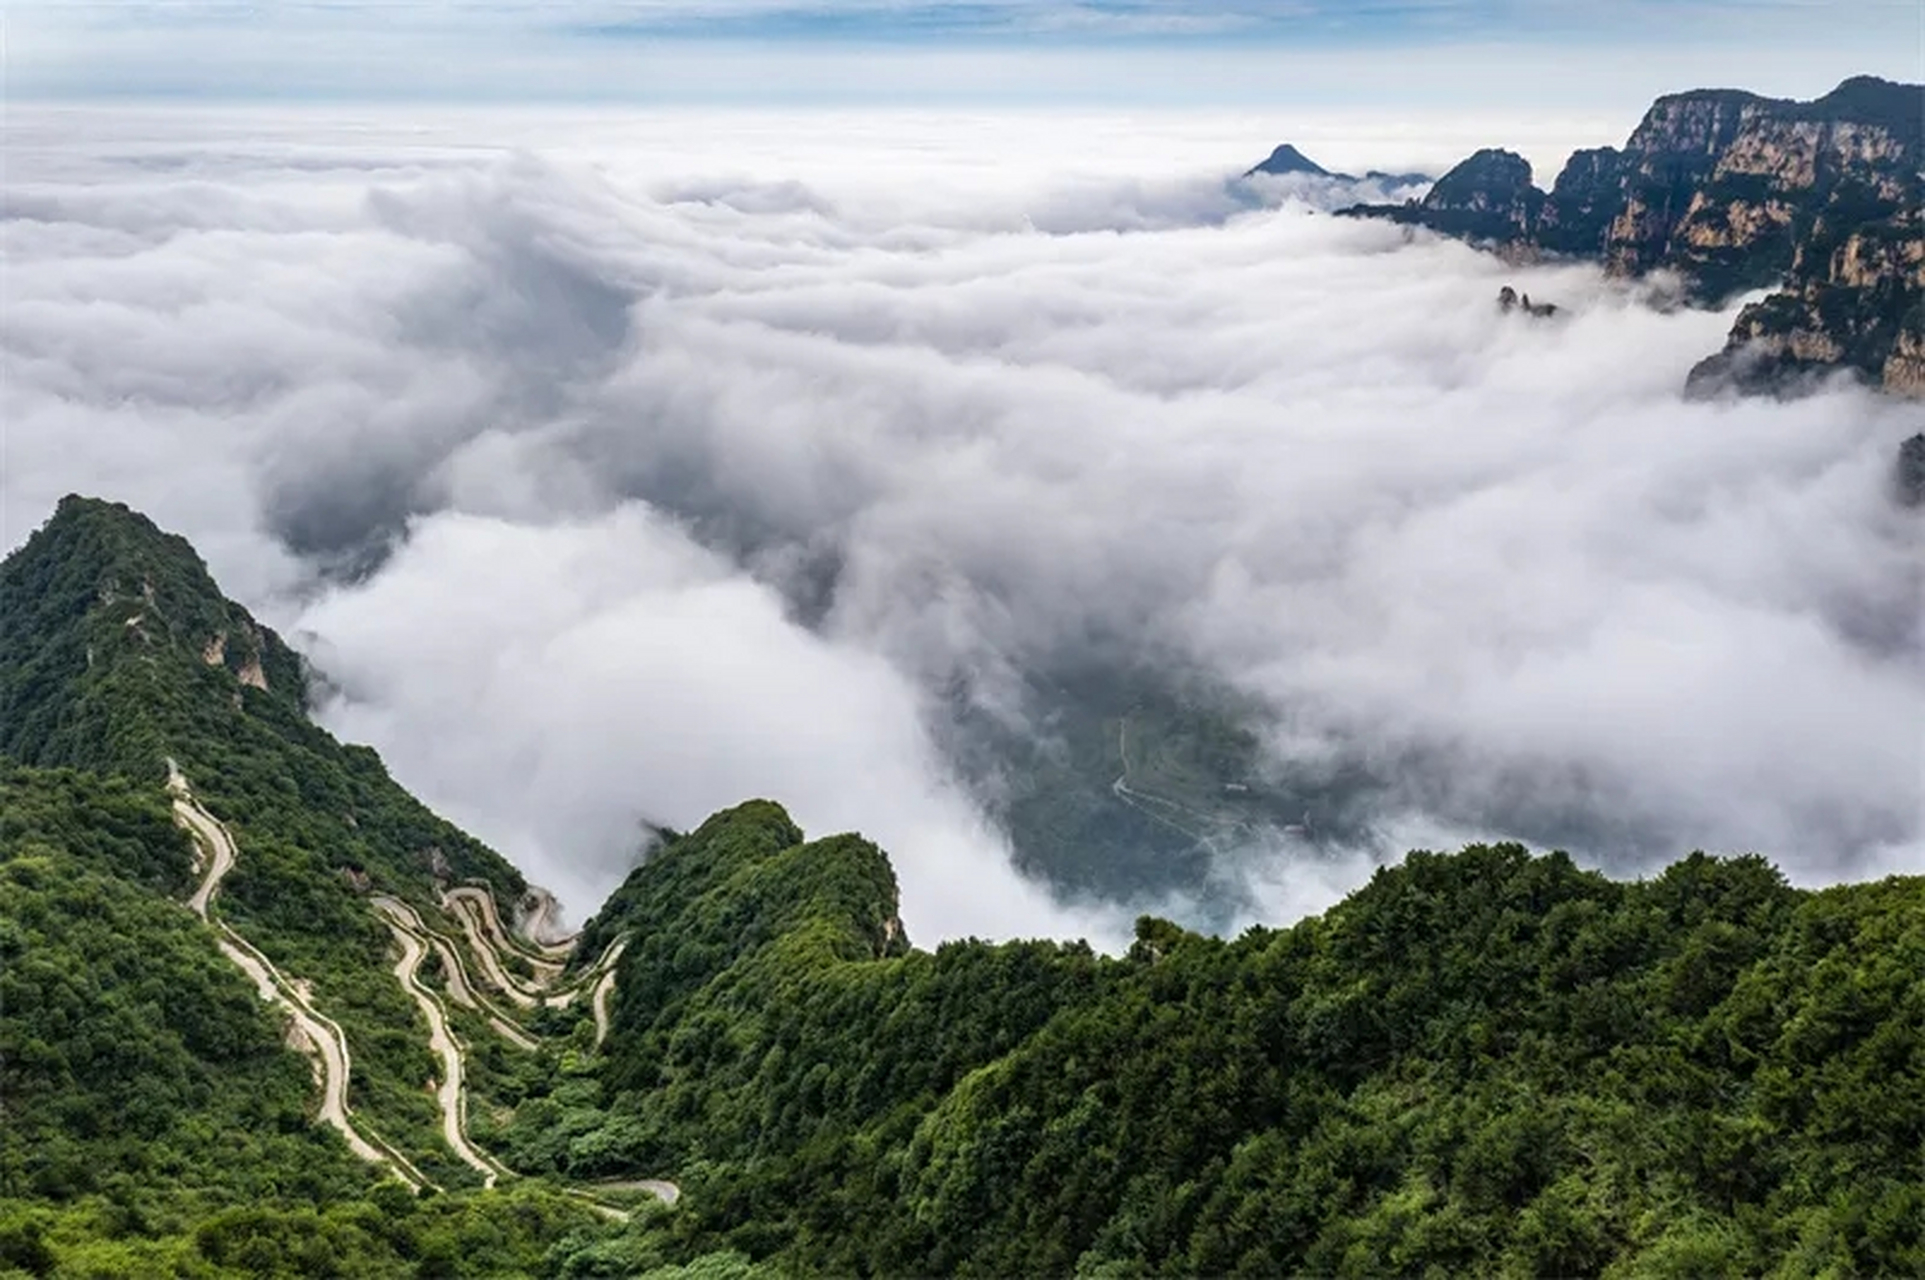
325 1044
527 995
452 1095
547 962
667 1192
460 989
210 837
605 987
1142 800
476 912
321 1038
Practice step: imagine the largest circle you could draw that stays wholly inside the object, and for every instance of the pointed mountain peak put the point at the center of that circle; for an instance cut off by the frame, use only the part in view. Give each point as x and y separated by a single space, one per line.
101 589
1287 159
114 535
97 559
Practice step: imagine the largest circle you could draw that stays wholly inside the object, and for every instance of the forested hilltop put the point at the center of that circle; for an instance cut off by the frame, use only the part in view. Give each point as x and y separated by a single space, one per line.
1484 1062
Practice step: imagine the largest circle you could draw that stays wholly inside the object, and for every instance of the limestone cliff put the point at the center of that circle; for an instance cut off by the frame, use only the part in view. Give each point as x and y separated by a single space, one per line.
1819 200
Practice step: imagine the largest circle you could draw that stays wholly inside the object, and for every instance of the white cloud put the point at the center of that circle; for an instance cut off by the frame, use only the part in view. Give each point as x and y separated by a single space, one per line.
724 442
561 685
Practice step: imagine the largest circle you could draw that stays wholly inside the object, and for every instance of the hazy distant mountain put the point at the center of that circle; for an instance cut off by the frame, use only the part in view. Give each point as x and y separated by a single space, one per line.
1819 200
1287 160
1411 179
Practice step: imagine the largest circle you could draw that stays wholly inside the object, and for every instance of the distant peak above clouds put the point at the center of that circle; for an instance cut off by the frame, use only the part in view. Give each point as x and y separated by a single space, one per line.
1286 161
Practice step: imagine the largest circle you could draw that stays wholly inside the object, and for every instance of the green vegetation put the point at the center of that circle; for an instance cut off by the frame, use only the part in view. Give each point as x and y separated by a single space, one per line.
152 1122
1482 1063
1486 1062
117 651
130 1050
1193 769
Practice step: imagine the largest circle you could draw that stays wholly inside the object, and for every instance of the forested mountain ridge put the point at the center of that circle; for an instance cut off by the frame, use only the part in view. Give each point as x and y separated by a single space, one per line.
1486 1062
117 651
1819 201
1481 1063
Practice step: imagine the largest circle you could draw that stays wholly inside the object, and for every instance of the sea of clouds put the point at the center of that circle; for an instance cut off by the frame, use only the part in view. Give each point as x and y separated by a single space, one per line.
615 469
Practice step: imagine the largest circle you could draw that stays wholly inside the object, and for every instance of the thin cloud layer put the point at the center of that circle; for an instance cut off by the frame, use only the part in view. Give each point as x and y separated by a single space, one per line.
619 479
1520 57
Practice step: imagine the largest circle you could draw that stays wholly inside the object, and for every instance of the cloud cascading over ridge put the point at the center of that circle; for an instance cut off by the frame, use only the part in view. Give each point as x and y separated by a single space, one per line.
618 470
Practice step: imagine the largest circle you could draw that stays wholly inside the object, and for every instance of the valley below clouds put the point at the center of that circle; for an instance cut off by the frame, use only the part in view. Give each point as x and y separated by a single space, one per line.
611 472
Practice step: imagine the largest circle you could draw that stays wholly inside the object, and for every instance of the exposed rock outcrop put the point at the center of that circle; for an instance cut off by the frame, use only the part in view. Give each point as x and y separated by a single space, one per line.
1583 202
1910 472
1852 299
1733 191
1509 300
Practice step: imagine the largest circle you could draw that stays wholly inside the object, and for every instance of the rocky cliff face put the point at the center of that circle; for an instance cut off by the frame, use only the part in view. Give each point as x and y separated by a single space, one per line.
1583 203
1733 191
1852 298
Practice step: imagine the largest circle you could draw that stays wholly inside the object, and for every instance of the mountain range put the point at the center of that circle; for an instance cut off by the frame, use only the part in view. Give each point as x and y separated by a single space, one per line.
1819 202
263 1014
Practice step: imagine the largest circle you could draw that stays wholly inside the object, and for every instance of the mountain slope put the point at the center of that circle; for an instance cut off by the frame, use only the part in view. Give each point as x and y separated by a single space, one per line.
178 1064
153 1120
118 653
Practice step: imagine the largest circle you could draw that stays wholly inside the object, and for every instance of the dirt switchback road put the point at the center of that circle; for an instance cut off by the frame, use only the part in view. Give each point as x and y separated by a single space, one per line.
452 1094
604 988
483 949
326 1045
546 962
217 849
455 972
321 1038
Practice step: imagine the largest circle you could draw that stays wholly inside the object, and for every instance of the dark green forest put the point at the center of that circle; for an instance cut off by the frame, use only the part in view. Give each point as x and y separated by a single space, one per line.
1485 1062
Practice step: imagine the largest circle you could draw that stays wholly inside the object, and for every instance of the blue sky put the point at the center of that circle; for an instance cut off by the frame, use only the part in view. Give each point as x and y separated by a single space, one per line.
1475 53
